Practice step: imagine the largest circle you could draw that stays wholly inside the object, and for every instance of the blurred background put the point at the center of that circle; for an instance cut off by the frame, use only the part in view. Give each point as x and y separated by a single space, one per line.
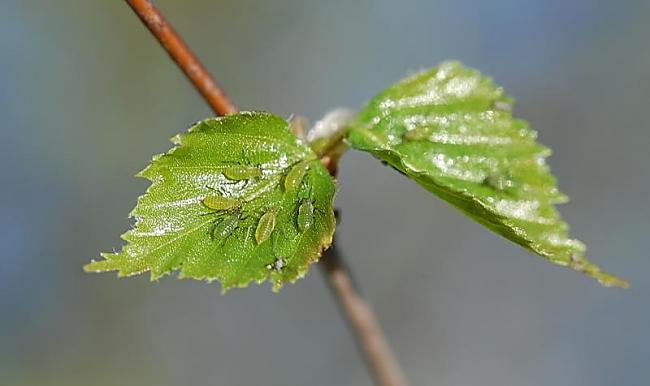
87 97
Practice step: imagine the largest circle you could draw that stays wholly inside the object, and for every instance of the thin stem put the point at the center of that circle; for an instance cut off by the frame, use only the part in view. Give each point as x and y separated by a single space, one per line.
369 336
370 339
183 56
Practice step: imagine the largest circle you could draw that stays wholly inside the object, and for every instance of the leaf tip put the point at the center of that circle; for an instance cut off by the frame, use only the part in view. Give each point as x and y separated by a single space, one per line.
607 280
97 266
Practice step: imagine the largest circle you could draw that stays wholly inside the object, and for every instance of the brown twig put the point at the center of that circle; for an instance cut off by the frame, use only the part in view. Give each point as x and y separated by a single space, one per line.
379 357
183 56
371 341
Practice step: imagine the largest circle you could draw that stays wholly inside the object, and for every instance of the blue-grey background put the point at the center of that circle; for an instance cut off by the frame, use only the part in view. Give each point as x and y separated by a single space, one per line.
87 96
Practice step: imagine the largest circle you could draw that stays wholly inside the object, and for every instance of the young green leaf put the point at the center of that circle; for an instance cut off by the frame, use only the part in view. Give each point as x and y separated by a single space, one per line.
201 215
451 130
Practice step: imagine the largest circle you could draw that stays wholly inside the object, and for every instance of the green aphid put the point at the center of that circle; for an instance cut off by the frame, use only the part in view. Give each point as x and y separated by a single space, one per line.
501 183
225 228
295 176
242 172
217 202
305 218
265 226
418 134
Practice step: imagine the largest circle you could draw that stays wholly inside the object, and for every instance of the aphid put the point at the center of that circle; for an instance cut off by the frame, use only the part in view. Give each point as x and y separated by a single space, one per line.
418 134
503 183
216 202
242 172
305 215
265 226
225 228
295 176
238 171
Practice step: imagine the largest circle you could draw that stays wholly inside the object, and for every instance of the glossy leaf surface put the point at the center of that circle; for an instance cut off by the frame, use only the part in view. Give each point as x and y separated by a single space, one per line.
451 130
207 195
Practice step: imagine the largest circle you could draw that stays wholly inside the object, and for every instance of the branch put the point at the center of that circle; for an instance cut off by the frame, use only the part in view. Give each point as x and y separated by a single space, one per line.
183 56
379 357
370 339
